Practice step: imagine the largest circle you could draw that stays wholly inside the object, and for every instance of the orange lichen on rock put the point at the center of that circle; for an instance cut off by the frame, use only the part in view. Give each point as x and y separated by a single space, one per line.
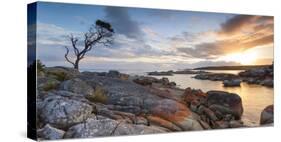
154 120
171 110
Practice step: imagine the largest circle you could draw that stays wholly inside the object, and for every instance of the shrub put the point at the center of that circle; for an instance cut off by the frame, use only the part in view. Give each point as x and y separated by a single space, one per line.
99 95
47 84
61 76
40 66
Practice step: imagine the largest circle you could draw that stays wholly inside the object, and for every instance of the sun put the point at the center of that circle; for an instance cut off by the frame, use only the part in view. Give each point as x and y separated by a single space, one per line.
244 58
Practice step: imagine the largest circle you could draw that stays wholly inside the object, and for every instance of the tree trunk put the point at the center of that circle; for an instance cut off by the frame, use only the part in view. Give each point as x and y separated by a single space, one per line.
76 65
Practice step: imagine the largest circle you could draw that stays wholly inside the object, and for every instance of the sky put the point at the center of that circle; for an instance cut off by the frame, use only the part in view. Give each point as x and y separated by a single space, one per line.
153 39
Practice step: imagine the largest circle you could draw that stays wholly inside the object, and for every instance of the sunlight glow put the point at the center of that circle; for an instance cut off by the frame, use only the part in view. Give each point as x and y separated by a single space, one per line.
244 58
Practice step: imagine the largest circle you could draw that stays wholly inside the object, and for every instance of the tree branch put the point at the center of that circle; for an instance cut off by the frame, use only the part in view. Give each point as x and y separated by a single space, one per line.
74 42
100 33
66 54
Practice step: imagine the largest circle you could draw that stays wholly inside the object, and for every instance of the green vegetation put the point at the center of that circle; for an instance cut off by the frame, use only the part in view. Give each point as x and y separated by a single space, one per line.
98 95
50 84
61 76
40 66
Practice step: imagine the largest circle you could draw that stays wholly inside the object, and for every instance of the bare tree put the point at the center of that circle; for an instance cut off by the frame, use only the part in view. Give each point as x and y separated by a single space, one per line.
99 33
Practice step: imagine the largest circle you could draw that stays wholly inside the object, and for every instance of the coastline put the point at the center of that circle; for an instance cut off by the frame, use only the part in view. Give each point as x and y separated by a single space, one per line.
140 102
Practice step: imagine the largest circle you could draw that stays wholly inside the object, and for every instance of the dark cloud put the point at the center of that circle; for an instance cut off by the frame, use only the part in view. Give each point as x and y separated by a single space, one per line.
235 23
251 22
122 22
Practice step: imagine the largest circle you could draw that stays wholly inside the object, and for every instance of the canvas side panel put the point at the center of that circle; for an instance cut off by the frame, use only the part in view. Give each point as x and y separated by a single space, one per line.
31 71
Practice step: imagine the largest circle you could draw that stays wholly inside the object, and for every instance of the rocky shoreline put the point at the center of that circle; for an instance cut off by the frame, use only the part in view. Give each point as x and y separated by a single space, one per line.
260 76
171 72
73 104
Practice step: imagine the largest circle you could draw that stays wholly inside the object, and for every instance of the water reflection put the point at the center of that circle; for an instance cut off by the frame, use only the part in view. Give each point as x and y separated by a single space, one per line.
224 71
254 97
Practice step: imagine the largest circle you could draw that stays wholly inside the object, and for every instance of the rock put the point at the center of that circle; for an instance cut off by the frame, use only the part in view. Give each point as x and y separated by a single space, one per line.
148 81
154 120
129 108
113 74
172 94
110 111
210 114
110 73
194 105
267 82
50 133
140 120
216 76
201 109
77 86
221 124
109 114
145 81
172 84
61 73
250 80
190 72
108 127
130 129
63 112
231 83
177 113
228 117
267 115
219 115
204 125
142 100
236 124
123 93
258 72
226 103
46 84
261 76
92 128
193 95
163 73
91 74
164 81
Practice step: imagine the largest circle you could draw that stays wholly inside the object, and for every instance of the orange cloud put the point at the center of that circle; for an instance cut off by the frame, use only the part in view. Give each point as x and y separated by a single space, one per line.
237 34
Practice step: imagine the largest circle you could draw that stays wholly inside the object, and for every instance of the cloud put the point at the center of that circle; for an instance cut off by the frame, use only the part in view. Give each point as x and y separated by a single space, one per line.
234 24
259 42
185 37
237 34
246 25
50 34
163 14
136 44
215 49
122 22
52 39
213 63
